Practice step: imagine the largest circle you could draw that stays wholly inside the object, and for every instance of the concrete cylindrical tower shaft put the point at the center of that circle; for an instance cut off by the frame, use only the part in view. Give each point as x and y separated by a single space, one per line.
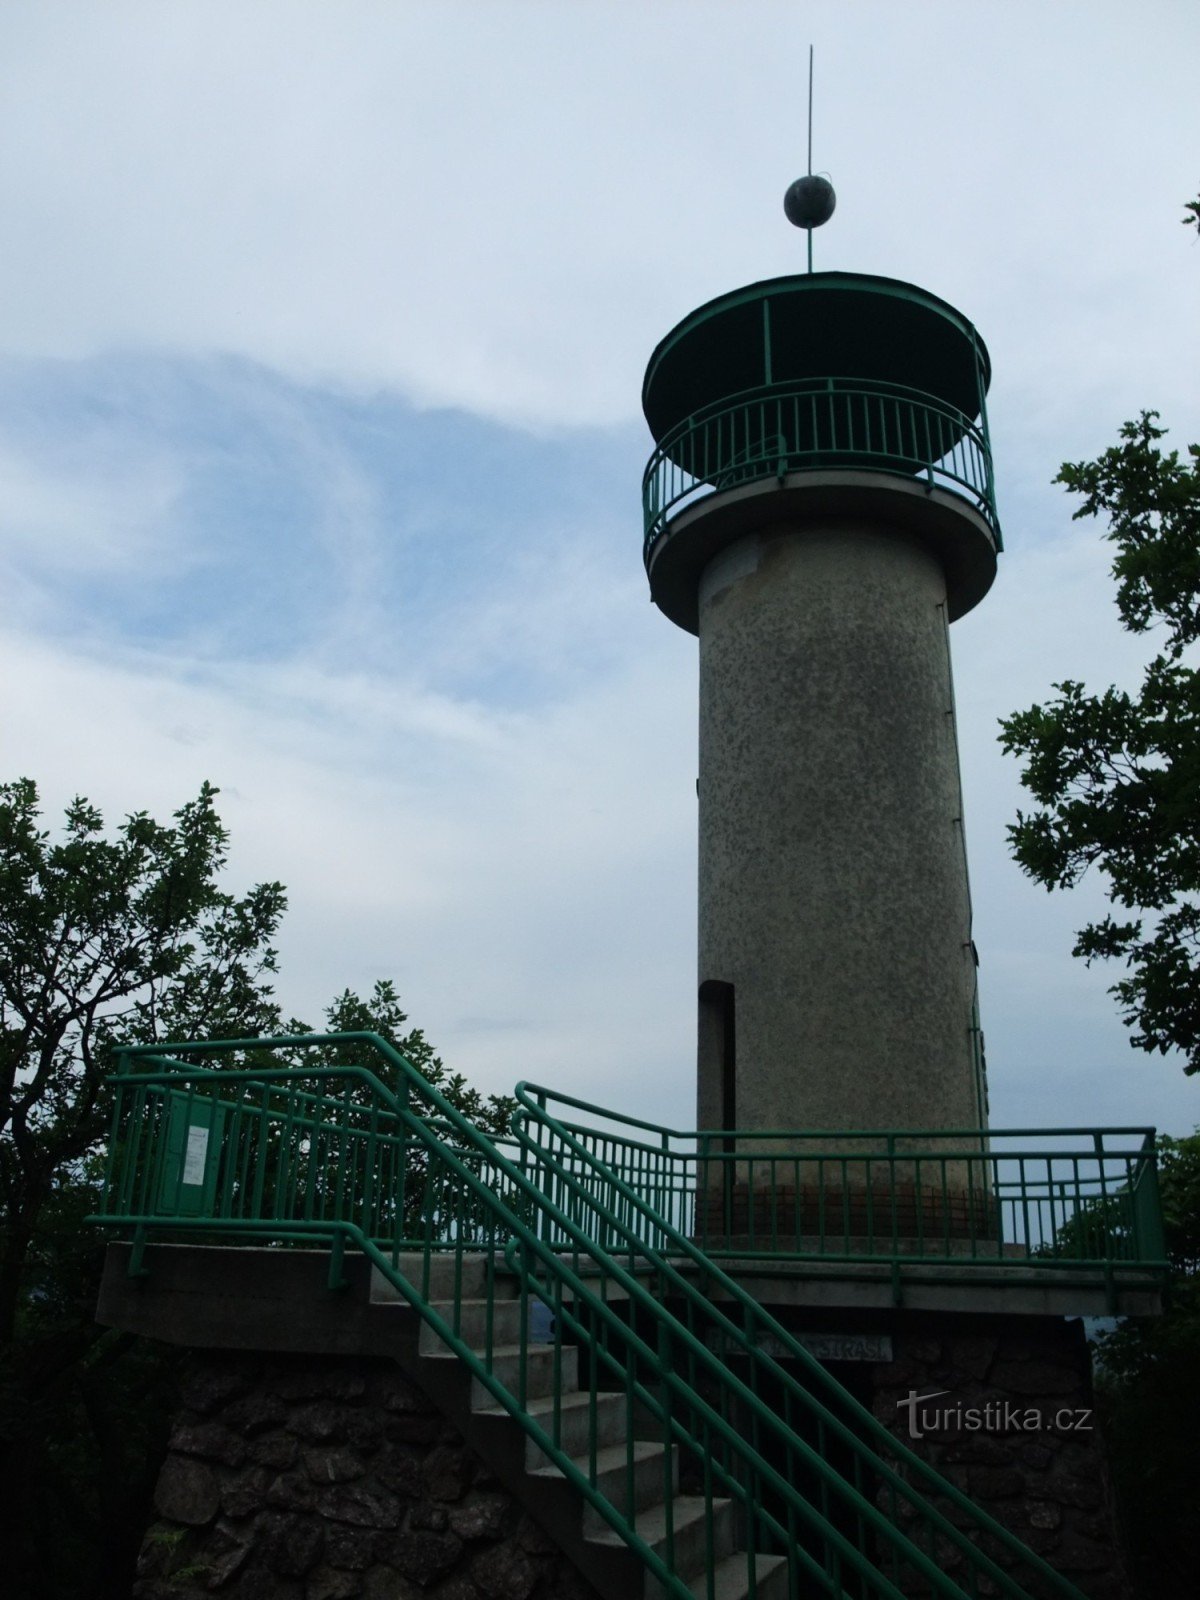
819 531
833 896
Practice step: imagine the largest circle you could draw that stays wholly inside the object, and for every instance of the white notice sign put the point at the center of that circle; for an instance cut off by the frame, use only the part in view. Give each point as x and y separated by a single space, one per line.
197 1149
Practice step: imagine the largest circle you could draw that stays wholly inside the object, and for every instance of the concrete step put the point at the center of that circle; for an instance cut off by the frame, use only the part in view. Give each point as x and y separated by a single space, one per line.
731 1579
444 1282
630 1476
691 1516
540 1373
575 1415
551 1384
473 1323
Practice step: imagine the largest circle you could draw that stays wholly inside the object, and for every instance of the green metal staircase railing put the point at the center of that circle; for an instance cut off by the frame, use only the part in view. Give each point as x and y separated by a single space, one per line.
812 1410
302 1153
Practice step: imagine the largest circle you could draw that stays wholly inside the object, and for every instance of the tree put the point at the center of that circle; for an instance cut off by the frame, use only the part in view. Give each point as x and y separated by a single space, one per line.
381 1013
103 940
128 937
1117 776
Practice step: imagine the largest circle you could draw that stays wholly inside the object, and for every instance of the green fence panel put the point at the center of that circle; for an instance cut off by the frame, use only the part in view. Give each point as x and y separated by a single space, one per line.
192 1158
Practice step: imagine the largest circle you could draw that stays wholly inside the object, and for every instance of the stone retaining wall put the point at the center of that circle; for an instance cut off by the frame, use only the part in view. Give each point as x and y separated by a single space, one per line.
327 1478
295 1478
1048 1482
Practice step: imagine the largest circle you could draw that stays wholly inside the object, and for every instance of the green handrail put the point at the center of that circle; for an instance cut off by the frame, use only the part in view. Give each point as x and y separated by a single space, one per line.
299 1154
816 423
862 1434
449 1228
991 1201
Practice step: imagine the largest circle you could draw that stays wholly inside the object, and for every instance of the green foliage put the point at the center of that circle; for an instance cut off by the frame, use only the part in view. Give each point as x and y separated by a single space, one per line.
381 1013
1153 500
1117 776
104 939
430 1189
1149 1398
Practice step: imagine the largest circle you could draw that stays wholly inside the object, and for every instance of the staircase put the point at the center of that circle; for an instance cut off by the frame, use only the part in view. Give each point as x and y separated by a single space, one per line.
653 1372
638 1477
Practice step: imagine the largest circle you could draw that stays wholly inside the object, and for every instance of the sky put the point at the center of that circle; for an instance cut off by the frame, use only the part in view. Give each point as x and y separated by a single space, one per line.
322 332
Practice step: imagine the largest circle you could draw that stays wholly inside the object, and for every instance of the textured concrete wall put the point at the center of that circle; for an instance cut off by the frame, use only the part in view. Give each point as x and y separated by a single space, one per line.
833 888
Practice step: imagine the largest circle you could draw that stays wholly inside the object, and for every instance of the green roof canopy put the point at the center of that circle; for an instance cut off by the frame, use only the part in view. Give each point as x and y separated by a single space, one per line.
820 325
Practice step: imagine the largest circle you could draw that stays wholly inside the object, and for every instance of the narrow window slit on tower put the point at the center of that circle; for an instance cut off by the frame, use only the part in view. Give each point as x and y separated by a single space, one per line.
718 1067
718 1030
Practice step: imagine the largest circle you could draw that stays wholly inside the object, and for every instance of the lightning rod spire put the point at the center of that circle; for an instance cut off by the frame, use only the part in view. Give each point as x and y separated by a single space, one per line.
809 201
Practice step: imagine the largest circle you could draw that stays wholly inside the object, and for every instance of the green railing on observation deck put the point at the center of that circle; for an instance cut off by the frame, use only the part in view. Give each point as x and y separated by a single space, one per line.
331 1153
813 424
1027 1202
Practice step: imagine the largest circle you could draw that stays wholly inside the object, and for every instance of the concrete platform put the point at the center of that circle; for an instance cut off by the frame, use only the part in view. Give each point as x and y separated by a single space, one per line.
264 1298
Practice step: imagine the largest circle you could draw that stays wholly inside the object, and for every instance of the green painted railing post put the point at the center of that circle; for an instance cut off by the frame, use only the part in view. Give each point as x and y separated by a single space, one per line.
402 1094
114 1131
1148 1218
666 1362
137 1251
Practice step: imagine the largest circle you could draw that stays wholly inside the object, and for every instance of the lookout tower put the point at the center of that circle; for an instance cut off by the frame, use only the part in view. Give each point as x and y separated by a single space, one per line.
819 508
711 1398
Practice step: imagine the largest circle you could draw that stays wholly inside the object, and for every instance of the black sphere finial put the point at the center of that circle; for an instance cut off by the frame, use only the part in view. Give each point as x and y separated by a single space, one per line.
809 201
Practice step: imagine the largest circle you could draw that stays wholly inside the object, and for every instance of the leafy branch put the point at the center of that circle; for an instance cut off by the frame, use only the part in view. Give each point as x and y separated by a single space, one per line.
1116 776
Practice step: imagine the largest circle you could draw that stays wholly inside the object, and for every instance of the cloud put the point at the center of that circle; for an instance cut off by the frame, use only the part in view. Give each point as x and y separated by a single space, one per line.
443 199
497 808
69 512
324 329
492 866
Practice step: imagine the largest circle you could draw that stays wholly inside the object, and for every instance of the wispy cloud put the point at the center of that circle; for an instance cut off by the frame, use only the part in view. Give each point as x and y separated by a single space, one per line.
86 509
503 206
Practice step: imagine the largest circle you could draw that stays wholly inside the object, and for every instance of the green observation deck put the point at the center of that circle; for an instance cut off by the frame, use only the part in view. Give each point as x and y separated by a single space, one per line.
848 390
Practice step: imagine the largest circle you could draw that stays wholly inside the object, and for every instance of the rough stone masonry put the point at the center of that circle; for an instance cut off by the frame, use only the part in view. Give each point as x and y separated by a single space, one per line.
1048 1483
298 1478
